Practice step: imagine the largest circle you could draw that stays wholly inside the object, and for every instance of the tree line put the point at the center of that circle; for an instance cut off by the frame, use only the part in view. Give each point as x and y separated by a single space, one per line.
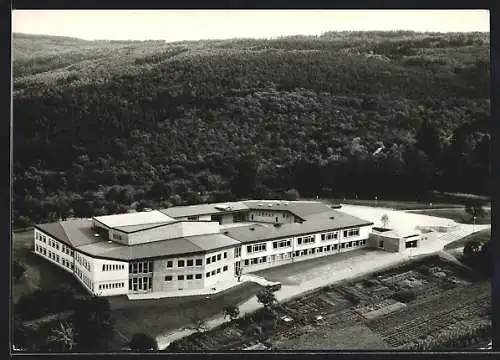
250 118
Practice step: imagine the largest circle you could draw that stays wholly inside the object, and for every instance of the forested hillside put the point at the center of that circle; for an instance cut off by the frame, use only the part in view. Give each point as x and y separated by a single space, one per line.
103 126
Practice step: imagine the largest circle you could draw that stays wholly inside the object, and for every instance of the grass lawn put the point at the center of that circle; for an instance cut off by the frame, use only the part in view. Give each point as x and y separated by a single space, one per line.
159 316
397 205
39 272
459 215
482 236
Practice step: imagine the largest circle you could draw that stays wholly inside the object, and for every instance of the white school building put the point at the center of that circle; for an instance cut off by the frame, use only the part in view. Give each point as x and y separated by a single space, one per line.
195 247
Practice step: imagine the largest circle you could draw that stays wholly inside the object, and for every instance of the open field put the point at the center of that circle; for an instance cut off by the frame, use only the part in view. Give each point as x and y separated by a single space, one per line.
481 236
395 204
459 215
366 313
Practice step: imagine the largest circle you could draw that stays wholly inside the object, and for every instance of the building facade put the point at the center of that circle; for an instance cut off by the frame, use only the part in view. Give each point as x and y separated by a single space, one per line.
201 247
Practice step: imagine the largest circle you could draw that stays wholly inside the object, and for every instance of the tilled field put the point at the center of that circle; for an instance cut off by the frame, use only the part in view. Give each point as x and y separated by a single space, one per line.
340 316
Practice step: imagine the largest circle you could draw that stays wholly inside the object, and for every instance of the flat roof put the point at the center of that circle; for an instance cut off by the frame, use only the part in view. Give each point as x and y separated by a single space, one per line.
134 219
327 221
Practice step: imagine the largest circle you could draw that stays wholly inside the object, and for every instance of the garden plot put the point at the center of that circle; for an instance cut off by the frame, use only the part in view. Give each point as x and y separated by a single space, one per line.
367 313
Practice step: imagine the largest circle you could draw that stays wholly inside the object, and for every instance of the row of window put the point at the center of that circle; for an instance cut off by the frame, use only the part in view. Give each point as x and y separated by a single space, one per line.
67 263
111 267
282 244
181 277
256 248
237 252
115 285
54 244
213 272
284 256
140 284
142 267
40 237
66 250
329 236
82 261
183 263
215 258
269 213
306 239
117 236
84 279
351 232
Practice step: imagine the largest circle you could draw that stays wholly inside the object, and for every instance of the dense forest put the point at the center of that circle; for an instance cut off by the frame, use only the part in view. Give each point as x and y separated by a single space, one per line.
105 126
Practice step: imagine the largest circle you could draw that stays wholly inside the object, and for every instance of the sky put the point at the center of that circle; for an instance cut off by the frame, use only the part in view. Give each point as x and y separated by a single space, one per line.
176 25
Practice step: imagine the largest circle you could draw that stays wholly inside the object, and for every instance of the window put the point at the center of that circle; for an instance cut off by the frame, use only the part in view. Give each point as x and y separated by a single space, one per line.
356 243
169 263
246 262
225 254
199 262
299 240
281 244
180 263
219 256
214 258
208 261
189 277
190 262
218 271
197 276
323 236
335 247
256 248
180 277
381 243
320 249
207 274
237 252
168 278
213 272
224 268
194 217
345 233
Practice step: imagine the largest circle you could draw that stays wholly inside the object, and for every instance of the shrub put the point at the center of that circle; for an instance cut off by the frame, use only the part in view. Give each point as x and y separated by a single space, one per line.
405 296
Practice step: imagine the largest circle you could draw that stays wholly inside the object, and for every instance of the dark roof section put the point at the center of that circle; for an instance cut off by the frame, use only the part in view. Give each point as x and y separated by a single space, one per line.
203 209
328 221
84 240
302 209
55 230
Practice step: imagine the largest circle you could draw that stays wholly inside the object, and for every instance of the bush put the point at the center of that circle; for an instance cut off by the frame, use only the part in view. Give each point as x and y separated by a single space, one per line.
405 296
44 302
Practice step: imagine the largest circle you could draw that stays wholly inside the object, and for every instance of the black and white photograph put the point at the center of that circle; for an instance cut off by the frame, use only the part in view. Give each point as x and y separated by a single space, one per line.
211 181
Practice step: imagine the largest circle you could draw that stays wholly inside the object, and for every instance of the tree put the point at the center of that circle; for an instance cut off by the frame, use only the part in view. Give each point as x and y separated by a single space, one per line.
92 323
62 338
267 298
429 142
474 209
385 220
472 250
143 342
18 269
292 194
232 311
